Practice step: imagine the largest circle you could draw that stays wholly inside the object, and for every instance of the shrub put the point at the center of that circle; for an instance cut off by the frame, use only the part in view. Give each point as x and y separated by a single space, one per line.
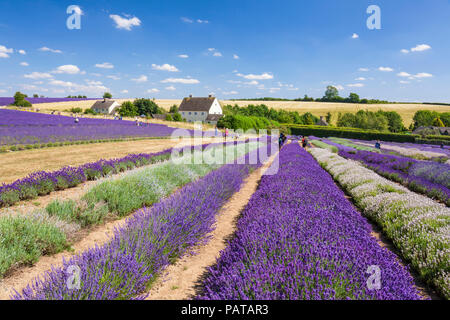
350 133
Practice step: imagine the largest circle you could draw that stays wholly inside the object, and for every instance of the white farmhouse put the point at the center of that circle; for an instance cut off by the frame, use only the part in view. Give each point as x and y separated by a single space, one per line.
201 109
106 106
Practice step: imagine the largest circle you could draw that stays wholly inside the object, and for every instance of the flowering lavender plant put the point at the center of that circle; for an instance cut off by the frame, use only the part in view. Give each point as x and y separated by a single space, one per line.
300 238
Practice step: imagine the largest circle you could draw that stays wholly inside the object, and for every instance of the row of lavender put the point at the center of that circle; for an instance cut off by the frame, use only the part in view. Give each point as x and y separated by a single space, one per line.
6 101
418 226
427 177
300 238
19 127
150 241
43 183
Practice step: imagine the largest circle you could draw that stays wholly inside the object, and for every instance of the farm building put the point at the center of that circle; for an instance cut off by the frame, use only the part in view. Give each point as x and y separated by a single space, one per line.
201 109
322 122
430 130
105 106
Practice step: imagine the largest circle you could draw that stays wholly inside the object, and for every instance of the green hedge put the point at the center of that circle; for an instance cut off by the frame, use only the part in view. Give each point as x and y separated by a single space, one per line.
445 138
433 141
350 133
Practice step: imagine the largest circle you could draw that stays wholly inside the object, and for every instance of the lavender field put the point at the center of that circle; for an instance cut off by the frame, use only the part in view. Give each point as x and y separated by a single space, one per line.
23 128
6 101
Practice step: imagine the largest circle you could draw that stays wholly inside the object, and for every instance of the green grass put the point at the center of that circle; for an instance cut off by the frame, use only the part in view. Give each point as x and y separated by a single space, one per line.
324 145
24 240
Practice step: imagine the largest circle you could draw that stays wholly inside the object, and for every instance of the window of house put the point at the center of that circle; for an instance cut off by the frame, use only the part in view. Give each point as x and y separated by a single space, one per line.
195 113
190 113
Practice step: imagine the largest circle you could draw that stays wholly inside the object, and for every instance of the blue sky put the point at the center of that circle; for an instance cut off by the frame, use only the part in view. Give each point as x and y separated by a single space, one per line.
233 49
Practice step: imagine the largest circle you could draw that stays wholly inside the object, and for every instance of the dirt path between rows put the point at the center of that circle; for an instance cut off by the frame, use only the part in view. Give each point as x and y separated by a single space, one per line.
180 281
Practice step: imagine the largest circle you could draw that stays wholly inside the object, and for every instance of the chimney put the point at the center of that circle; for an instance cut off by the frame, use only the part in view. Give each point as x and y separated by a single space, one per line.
190 96
210 95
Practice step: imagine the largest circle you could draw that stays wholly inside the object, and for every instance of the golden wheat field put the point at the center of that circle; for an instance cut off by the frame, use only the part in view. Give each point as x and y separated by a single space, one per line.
407 111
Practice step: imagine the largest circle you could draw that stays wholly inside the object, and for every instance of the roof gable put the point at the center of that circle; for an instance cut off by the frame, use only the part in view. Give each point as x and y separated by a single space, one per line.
103 104
197 104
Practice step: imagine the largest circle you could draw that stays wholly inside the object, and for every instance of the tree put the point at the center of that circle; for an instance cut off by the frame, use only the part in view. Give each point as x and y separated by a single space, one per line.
438 122
169 117
107 95
174 109
328 117
394 119
331 93
19 100
35 95
424 118
128 109
147 107
353 98
177 117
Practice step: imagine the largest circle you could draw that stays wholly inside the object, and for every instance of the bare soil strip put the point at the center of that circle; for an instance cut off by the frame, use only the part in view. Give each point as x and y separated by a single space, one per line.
179 281
17 165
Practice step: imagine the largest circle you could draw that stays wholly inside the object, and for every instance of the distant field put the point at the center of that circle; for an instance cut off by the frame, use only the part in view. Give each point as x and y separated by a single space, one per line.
407 111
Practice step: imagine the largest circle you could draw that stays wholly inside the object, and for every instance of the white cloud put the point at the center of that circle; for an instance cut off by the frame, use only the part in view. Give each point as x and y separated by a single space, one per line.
403 74
171 88
183 56
46 49
363 69
140 79
38 75
420 47
264 76
423 75
124 91
236 57
24 64
4 52
217 54
180 80
124 23
360 79
22 52
165 67
105 65
68 69
404 82
404 51
94 83
202 21
92 87
2 91
339 87
385 69
113 77
154 90
274 90
187 20
355 36
356 85
229 93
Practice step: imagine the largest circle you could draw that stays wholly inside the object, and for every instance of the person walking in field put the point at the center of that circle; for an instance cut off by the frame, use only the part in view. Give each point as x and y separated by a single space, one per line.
378 145
304 142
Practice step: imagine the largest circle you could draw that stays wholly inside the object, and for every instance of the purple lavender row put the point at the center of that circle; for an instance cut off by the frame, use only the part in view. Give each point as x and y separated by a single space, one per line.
300 238
426 177
151 240
6 101
19 127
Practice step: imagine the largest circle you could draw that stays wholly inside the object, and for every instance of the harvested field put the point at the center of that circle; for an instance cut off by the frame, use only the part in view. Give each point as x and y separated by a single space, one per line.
16 165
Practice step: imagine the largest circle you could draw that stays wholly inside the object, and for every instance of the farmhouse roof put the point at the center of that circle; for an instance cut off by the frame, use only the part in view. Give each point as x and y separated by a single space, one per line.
103 104
442 130
213 117
197 104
